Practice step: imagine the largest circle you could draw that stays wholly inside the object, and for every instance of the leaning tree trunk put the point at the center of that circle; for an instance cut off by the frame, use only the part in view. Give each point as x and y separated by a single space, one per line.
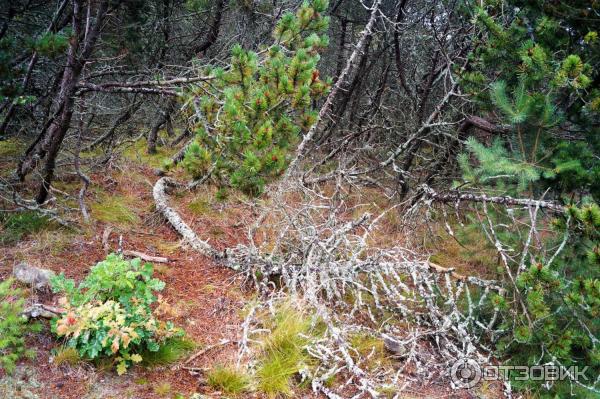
49 144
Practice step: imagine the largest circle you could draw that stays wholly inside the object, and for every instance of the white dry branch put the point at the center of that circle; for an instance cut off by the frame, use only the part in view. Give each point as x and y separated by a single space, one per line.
319 254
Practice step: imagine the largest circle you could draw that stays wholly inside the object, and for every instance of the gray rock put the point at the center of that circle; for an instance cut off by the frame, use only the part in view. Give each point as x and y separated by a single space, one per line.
36 277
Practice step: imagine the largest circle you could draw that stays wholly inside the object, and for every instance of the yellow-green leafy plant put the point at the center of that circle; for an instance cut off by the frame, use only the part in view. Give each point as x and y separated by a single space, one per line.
109 313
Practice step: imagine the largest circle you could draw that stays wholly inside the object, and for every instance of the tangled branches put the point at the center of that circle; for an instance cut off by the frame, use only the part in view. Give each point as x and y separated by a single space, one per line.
319 247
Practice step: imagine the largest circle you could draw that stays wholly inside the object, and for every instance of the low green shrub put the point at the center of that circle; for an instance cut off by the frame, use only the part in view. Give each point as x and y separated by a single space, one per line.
109 313
13 327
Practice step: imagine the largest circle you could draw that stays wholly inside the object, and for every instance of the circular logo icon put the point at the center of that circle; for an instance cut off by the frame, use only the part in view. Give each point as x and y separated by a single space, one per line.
465 373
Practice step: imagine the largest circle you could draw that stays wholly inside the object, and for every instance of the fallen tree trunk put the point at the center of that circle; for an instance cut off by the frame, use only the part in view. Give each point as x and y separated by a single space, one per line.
238 258
159 193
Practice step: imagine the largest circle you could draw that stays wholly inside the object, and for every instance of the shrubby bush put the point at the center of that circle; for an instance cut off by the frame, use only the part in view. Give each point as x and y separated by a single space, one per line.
109 314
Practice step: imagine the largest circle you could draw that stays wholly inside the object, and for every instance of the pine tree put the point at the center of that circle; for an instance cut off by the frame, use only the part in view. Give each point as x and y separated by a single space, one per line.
251 113
536 72
539 74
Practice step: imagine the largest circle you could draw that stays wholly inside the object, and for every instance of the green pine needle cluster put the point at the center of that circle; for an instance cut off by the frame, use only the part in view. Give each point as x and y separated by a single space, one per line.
496 168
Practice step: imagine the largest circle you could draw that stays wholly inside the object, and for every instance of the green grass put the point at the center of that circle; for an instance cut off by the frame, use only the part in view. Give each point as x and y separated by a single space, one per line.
275 372
283 353
170 351
199 206
16 226
228 380
114 209
66 355
138 152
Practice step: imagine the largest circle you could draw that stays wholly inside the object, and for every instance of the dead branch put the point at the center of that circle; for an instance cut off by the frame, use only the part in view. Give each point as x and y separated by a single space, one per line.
128 252
455 196
207 349
145 257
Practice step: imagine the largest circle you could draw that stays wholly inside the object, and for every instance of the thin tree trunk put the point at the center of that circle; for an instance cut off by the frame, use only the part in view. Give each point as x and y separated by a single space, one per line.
337 87
397 55
80 49
163 118
124 117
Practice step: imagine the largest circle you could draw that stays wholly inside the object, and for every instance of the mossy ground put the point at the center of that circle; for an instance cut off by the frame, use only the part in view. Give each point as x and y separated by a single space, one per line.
121 210
138 152
15 226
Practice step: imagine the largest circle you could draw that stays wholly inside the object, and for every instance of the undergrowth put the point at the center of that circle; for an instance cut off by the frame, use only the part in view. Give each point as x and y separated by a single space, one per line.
109 315
13 327
171 351
16 226
371 349
65 355
466 251
283 352
10 147
163 389
138 152
280 356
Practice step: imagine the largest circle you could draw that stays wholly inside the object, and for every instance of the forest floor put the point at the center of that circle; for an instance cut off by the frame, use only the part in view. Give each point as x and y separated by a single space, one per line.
206 299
